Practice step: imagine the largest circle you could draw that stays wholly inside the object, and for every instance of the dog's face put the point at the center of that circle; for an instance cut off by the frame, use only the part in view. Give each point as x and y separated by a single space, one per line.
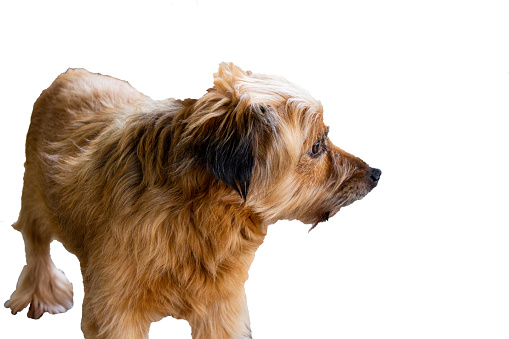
265 138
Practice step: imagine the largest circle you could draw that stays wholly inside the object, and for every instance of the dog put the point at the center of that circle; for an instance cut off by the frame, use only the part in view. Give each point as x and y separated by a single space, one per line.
164 202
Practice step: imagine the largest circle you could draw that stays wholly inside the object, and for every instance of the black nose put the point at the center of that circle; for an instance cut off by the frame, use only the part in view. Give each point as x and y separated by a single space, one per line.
375 174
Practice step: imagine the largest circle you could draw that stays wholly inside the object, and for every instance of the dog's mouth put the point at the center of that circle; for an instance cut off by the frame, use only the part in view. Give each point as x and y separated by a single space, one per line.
346 194
336 206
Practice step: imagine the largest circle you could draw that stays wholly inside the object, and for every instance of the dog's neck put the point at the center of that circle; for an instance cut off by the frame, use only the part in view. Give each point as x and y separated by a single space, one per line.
218 232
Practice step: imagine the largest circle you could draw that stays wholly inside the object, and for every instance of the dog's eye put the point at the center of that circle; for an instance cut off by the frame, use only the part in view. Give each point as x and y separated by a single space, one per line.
317 148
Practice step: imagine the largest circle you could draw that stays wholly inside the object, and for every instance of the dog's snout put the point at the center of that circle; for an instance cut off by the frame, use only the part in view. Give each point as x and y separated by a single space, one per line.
375 175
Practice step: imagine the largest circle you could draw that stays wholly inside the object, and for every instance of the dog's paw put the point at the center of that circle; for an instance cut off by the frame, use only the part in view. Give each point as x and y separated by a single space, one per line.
50 292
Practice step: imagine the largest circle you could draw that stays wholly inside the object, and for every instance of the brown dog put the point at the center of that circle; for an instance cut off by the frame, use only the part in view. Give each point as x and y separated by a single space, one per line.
165 202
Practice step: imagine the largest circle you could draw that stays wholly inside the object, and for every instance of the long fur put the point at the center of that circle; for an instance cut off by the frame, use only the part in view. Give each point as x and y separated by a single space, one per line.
165 202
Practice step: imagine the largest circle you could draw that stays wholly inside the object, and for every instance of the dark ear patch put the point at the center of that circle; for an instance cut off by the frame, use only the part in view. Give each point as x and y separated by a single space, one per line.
232 161
227 142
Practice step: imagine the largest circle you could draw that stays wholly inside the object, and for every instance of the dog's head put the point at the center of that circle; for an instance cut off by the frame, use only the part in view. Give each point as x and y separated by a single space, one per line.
264 138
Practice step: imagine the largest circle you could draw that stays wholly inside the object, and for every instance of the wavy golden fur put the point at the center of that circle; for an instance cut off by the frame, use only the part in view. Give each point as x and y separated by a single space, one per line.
165 202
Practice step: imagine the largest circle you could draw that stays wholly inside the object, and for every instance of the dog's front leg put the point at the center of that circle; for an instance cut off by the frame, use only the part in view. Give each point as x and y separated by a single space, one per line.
117 324
106 318
225 319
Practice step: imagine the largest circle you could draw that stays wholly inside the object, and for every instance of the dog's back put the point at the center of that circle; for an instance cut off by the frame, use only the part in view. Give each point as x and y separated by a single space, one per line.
68 115
76 98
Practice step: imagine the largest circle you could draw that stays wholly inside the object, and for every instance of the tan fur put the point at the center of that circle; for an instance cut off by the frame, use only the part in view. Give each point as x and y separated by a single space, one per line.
165 202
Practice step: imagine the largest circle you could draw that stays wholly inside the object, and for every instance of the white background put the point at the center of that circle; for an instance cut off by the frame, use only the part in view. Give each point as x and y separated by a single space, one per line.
416 88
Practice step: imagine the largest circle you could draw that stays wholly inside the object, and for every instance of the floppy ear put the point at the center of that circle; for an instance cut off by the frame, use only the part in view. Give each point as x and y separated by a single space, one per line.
226 130
228 146
230 156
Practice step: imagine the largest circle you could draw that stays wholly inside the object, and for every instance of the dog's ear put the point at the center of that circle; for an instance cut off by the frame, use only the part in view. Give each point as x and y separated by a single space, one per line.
225 129
230 144
230 154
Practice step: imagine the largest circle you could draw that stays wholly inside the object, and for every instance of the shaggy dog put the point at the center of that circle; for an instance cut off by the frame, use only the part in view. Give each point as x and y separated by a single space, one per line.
165 202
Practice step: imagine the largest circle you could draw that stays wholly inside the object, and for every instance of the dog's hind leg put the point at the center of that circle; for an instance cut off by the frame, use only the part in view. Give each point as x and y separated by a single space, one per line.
40 284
